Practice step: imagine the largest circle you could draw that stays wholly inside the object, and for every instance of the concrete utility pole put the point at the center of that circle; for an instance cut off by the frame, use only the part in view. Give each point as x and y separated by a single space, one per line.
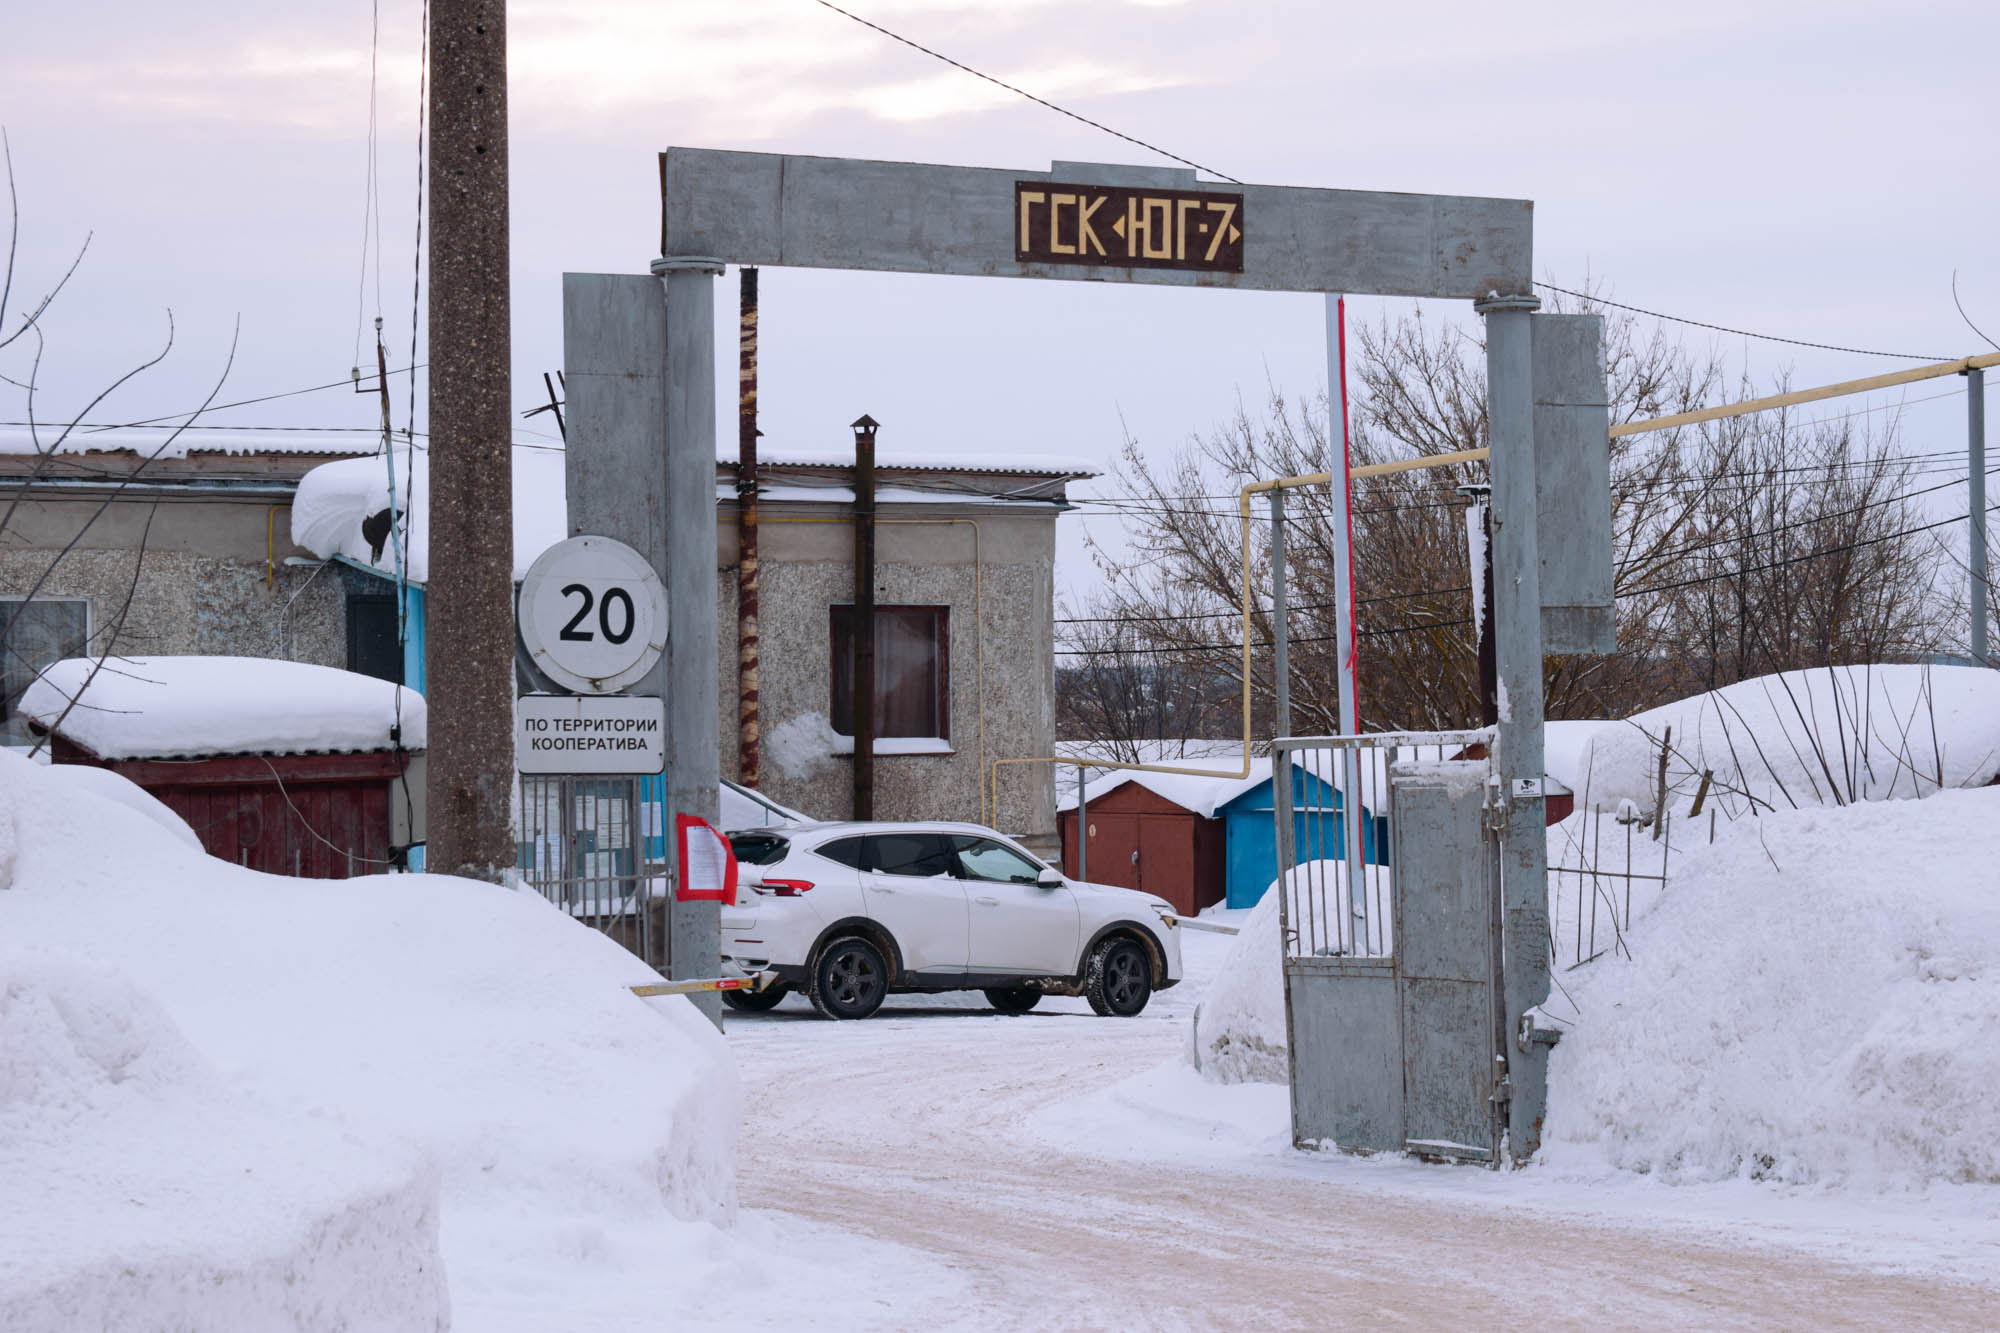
694 729
1517 642
470 671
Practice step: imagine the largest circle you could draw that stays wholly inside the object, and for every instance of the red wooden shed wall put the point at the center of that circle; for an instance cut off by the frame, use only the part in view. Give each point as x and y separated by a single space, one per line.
1144 841
321 816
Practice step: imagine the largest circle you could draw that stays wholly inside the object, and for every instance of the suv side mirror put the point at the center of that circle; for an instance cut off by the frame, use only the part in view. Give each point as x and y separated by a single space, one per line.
1049 878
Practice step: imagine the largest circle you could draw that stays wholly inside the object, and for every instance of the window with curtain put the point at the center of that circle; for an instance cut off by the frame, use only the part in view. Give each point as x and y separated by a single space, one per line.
912 671
35 634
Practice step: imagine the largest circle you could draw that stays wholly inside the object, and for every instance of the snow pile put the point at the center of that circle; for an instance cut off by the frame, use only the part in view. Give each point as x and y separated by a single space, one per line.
274 1100
168 707
1815 999
145 1192
1827 736
117 787
1238 1032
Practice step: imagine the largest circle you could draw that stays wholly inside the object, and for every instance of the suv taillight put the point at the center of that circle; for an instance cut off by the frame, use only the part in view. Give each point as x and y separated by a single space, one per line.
783 888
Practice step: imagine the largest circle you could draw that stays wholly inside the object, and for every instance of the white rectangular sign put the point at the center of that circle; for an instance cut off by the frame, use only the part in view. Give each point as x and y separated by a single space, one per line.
582 733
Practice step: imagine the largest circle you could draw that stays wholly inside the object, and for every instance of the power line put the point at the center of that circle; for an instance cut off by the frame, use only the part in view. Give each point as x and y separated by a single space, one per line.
244 402
1379 633
1680 553
1743 482
1447 624
1800 559
1741 333
1039 101
1155 148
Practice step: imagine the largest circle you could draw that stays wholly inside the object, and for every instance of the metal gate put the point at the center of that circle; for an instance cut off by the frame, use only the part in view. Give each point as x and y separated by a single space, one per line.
583 848
1390 916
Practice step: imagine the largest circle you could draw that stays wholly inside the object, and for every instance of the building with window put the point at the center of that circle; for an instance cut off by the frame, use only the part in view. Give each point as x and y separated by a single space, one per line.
149 542
964 620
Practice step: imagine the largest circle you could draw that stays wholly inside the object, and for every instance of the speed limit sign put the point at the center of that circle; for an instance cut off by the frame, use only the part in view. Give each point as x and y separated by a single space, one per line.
593 614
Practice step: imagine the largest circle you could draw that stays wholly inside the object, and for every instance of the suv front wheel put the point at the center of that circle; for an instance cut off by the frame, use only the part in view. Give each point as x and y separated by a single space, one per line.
1120 978
850 979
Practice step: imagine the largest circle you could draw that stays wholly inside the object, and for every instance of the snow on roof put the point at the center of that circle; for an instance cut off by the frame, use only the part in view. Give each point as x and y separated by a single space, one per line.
726 490
180 707
923 460
162 442
334 498
1204 795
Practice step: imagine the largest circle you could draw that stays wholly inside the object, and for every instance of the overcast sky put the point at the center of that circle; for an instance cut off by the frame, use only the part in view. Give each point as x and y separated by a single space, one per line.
1810 170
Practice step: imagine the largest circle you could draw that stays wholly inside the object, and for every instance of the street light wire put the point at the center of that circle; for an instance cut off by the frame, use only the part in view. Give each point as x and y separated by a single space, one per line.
1021 92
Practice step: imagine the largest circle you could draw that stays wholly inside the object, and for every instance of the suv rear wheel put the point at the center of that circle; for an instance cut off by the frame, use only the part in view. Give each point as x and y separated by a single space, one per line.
850 979
1120 979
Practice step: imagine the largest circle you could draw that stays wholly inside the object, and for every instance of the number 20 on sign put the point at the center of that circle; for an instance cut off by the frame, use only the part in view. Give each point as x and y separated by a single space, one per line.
593 615
1121 227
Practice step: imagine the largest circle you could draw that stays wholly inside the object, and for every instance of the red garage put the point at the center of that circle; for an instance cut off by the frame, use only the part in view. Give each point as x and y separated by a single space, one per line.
1141 839
279 766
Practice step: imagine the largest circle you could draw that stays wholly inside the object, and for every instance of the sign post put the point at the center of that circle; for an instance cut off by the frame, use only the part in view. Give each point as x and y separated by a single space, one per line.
640 467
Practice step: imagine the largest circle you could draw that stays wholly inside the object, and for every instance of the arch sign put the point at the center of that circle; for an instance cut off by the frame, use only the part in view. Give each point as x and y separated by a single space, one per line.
1087 222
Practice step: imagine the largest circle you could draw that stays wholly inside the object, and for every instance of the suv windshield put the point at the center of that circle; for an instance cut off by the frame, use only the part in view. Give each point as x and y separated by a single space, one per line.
759 849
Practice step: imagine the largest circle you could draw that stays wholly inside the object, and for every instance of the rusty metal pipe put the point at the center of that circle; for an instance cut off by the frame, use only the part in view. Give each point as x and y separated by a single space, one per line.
864 618
747 756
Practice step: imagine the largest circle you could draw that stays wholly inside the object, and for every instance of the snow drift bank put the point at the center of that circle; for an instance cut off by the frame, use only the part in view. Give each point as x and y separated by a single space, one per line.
1816 998
240 1101
1827 736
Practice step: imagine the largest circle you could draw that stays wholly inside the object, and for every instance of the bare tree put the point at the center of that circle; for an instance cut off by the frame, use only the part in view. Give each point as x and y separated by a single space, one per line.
1115 689
49 459
1693 509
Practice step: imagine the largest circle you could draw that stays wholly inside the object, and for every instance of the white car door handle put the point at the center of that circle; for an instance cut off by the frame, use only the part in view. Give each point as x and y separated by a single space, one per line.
880 888
987 902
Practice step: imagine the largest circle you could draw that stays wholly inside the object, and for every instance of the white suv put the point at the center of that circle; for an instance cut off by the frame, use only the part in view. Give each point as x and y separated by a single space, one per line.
848 913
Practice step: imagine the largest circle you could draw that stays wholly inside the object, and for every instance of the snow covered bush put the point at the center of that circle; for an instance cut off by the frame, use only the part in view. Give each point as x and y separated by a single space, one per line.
231 1100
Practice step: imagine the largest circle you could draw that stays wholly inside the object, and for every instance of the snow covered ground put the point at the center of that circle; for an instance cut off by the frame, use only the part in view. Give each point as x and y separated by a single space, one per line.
236 1101
1076 1171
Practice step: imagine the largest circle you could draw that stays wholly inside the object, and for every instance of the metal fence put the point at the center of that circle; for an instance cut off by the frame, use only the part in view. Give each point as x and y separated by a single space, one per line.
583 848
1597 858
1333 851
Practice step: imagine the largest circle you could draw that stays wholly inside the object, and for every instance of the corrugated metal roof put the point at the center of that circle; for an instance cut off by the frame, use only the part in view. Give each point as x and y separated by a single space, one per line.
162 442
